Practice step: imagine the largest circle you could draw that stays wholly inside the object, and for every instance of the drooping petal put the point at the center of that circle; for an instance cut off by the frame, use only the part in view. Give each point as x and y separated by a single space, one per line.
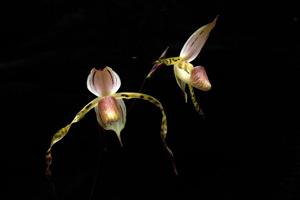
199 79
111 114
134 95
63 132
103 82
163 130
195 102
157 64
196 41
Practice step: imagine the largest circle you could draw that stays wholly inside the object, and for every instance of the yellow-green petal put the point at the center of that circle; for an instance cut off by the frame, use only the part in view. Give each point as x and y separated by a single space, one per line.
164 127
194 100
63 132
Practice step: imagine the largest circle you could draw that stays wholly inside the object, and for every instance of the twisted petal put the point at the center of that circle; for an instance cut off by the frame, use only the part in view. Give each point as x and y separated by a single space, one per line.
103 82
199 79
196 41
163 130
111 114
63 132
194 101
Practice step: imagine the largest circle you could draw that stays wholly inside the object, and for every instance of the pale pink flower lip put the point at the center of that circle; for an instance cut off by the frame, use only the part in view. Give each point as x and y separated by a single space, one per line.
199 79
108 110
111 114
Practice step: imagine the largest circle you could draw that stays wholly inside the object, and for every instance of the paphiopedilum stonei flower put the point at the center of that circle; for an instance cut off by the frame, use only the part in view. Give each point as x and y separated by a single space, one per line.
184 71
110 108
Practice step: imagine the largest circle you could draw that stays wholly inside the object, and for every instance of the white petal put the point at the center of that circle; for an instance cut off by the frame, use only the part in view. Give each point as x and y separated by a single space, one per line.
103 82
199 79
111 114
196 41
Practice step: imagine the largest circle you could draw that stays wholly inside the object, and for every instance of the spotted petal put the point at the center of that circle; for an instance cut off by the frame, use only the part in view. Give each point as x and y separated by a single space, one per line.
103 82
196 41
195 102
59 135
163 129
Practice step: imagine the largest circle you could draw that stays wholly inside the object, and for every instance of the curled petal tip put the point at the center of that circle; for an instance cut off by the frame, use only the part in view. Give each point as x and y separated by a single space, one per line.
199 79
216 18
154 68
164 52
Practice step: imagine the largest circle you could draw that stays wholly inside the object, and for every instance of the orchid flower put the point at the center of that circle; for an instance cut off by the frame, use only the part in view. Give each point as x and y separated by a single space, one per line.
110 108
184 71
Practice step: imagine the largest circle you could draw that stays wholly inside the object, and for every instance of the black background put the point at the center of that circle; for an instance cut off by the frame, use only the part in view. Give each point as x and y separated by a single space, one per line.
246 148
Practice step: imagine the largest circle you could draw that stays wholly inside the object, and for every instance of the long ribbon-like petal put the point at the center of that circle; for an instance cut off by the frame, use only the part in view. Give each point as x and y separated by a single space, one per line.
164 128
194 100
133 95
63 132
